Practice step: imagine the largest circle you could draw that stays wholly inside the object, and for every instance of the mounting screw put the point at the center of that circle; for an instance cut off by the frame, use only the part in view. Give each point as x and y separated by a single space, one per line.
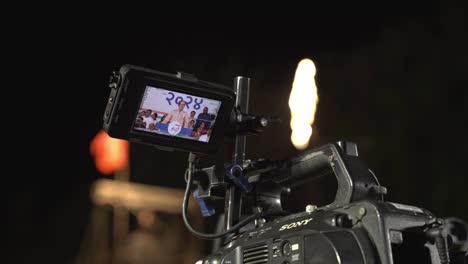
310 208
260 222
362 211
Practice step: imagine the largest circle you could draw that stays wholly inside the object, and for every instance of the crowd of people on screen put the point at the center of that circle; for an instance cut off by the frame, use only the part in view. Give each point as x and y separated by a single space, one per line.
200 126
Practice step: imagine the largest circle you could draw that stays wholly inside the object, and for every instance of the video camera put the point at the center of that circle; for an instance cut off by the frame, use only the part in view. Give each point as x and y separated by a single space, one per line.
180 112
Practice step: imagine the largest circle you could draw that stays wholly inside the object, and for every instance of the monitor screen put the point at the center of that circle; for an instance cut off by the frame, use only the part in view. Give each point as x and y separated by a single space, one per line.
175 114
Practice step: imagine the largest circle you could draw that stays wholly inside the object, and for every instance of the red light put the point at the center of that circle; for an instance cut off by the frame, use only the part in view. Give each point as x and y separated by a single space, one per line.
110 154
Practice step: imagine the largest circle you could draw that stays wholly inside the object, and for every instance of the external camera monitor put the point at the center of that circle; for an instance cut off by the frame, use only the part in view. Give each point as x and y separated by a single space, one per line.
176 112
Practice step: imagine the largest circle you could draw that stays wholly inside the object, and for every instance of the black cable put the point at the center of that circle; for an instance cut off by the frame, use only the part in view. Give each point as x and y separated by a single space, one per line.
233 229
378 184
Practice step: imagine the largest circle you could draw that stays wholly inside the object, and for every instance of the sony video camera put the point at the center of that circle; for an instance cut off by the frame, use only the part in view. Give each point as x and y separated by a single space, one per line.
180 112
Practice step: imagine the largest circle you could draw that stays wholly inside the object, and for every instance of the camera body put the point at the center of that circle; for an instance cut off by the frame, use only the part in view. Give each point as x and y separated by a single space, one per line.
360 232
357 227
141 97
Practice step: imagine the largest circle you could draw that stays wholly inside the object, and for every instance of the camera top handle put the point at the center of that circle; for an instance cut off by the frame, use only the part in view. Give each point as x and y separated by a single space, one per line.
355 181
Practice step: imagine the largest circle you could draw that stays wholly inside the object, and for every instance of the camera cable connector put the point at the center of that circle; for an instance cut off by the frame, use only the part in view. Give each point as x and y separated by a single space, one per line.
205 208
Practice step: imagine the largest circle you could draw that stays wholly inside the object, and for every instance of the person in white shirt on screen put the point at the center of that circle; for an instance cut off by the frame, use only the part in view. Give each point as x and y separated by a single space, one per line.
154 115
152 126
190 120
147 119
178 115
205 137
191 124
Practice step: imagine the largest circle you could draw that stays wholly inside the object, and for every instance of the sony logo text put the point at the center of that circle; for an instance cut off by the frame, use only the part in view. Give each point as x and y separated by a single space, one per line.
295 224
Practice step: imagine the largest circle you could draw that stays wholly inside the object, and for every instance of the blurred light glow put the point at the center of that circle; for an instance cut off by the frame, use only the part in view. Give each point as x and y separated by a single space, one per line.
303 101
110 154
137 196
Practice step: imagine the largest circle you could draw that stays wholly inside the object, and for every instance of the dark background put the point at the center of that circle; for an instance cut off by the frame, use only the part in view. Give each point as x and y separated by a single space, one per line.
391 78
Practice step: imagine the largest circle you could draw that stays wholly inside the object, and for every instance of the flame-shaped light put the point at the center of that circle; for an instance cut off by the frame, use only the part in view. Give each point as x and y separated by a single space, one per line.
110 154
303 103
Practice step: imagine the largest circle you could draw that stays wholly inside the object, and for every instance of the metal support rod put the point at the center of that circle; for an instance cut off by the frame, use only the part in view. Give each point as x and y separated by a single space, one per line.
233 195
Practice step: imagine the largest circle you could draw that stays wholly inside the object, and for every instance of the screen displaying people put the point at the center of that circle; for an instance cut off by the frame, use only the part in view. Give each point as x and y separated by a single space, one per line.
177 114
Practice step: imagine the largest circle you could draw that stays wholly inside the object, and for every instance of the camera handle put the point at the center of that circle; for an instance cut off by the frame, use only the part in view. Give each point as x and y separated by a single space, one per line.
232 207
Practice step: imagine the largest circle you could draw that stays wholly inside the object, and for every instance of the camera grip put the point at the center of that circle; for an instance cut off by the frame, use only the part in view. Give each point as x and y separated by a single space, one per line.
355 181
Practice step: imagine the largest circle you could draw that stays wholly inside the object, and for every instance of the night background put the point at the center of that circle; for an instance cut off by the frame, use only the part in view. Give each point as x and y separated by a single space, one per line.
392 79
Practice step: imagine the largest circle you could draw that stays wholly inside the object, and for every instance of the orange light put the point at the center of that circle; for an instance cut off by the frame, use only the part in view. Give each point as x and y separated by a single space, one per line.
303 101
110 154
